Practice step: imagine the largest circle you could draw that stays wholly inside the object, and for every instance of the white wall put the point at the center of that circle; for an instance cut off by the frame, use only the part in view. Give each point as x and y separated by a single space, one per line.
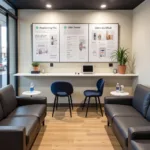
27 17
141 41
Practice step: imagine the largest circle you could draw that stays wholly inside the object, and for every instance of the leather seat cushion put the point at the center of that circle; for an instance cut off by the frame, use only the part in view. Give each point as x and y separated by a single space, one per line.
140 145
31 125
121 124
30 110
113 110
91 93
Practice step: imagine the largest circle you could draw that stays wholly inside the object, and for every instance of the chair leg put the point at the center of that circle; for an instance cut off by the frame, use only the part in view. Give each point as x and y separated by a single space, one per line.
100 106
56 102
84 103
71 101
43 123
87 107
69 106
96 103
54 106
108 123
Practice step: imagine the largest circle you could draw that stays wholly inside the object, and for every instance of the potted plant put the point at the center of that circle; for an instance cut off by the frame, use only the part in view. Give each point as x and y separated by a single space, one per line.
121 55
35 66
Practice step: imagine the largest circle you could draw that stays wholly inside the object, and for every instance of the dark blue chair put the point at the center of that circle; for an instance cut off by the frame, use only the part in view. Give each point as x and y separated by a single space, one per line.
96 94
62 89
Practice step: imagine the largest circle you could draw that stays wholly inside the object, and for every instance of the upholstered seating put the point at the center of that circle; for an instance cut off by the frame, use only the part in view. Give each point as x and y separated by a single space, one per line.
121 125
92 93
139 138
30 123
95 94
20 119
126 112
62 89
113 110
140 145
30 110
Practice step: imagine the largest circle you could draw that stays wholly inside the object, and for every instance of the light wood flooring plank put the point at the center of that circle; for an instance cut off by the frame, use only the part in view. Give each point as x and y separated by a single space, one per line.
77 133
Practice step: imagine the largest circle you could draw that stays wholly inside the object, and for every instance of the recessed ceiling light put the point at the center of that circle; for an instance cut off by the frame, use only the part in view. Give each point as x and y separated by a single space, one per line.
103 6
48 5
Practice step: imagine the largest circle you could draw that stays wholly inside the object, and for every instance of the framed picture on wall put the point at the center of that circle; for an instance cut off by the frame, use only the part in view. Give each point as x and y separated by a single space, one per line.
74 43
45 42
103 40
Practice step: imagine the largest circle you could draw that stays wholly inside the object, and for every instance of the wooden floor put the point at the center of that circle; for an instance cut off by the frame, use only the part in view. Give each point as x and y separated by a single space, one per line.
77 133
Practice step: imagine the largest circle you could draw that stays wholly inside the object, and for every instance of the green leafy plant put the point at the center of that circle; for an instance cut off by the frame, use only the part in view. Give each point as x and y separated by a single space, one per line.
121 55
35 64
131 64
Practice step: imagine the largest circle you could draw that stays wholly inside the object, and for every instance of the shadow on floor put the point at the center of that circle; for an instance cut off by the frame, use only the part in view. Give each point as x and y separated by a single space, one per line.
39 138
112 138
92 112
61 113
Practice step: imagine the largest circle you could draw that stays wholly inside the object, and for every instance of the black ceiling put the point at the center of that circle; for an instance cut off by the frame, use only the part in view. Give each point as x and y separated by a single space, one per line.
75 4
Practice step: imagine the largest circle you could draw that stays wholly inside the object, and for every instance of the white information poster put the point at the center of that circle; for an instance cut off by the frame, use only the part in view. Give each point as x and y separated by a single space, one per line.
103 40
46 42
73 42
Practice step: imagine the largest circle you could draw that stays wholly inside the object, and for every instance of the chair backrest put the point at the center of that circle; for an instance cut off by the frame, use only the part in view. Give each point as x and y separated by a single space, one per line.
100 85
8 99
141 99
61 86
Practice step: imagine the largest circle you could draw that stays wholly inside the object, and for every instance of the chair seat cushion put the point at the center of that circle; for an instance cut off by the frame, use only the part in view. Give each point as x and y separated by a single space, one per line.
91 93
113 110
121 124
140 145
30 110
62 94
31 125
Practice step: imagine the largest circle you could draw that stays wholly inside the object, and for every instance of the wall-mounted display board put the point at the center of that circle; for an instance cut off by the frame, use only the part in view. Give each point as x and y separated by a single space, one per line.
73 42
45 42
103 40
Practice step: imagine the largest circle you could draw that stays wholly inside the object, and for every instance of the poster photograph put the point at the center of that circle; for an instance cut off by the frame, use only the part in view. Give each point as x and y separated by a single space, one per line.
103 40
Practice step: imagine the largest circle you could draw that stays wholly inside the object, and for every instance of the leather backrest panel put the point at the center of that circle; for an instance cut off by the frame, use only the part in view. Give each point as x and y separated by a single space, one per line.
8 99
1 112
141 99
148 114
